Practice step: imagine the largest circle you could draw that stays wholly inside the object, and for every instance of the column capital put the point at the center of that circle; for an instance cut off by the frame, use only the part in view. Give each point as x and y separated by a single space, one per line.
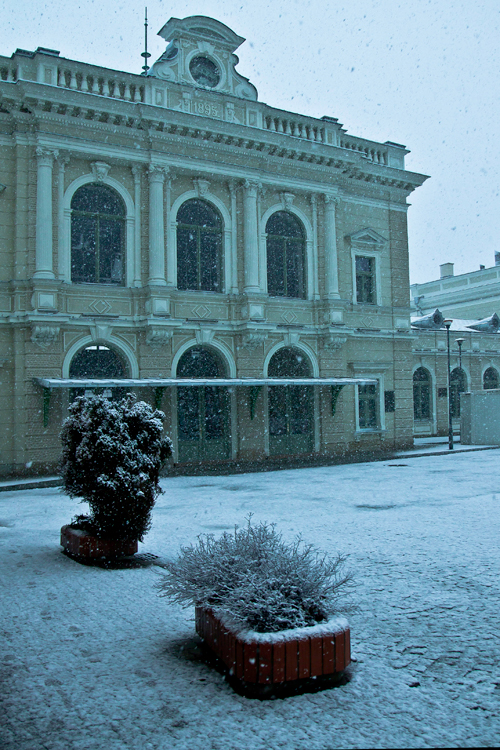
137 170
252 187
331 199
46 155
157 173
63 159
314 199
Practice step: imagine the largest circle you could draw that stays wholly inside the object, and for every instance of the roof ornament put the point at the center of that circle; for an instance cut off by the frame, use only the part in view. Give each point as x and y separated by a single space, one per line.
431 322
487 325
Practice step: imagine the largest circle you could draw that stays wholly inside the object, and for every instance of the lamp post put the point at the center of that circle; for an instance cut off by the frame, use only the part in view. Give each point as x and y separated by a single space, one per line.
447 323
459 342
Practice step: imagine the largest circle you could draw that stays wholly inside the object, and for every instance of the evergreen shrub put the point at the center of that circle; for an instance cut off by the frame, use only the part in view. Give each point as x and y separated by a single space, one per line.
112 455
255 580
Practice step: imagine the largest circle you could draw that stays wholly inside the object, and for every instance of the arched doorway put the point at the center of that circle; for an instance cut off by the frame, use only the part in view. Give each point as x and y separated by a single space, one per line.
97 361
421 394
203 411
458 385
291 407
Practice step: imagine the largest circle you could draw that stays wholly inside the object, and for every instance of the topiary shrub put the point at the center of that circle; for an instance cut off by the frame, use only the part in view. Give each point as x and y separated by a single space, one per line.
255 580
112 455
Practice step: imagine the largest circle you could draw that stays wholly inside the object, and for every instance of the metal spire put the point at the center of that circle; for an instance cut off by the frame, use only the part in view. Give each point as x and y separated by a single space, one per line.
145 54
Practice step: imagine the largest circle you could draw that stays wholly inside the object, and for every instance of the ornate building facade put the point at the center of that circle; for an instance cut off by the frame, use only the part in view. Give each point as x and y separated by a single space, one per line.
170 227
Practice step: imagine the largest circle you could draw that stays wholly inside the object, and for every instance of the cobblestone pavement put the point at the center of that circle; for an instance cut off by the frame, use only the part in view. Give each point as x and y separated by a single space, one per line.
92 658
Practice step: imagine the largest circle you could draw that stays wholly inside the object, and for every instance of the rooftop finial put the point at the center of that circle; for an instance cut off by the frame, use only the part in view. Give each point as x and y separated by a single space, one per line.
145 54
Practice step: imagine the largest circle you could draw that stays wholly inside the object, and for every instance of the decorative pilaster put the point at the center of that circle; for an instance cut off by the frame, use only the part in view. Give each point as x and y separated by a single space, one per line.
251 247
43 246
63 256
171 249
156 176
137 172
331 264
234 239
314 254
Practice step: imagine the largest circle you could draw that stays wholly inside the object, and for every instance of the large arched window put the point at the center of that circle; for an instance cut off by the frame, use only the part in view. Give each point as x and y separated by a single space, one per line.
290 406
421 394
97 361
458 385
97 235
203 411
199 247
285 256
490 379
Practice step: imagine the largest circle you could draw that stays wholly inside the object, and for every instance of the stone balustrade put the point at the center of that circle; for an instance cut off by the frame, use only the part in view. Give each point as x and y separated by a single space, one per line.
115 86
308 129
369 149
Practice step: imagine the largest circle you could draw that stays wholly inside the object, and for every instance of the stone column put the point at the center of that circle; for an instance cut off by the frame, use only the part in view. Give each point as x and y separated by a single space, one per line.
233 285
137 172
43 246
156 226
331 265
63 252
171 235
314 264
251 247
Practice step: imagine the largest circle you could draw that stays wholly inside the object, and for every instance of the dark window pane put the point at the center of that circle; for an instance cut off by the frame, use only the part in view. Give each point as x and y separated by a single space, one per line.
490 379
458 385
365 280
285 256
214 417
300 409
210 247
367 405
278 418
187 259
199 362
97 235
421 394
199 247
83 249
188 406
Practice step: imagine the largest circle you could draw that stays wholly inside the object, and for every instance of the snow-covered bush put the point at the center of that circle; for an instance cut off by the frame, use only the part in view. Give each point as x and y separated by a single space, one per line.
112 455
256 580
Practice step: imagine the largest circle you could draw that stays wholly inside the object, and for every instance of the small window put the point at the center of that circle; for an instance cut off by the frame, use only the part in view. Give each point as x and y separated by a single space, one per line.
490 379
199 247
367 407
97 236
285 256
365 280
421 394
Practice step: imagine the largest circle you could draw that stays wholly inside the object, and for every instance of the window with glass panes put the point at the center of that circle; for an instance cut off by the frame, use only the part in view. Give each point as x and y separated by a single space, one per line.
199 247
290 406
490 379
367 407
97 361
421 394
97 235
285 256
365 280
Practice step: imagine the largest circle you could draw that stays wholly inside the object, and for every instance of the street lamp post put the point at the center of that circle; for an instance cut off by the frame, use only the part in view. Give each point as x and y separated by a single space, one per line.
447 323
459 342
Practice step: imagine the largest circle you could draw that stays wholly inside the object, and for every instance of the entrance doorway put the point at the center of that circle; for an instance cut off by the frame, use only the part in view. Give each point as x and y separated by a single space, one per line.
291 407
203 411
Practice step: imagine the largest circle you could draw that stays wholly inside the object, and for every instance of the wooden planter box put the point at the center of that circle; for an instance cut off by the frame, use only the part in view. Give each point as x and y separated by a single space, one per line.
82 545
281 664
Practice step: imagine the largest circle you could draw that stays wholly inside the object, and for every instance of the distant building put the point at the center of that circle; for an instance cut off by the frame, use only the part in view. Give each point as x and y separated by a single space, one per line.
472 302
169 226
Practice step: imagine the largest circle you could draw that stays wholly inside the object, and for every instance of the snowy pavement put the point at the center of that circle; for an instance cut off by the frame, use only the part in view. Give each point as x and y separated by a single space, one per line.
93 659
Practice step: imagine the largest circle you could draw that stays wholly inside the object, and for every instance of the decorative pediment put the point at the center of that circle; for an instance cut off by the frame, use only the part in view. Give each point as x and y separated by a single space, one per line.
367 238
200 54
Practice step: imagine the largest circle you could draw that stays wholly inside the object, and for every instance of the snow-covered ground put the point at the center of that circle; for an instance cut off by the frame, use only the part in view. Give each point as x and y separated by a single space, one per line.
93 659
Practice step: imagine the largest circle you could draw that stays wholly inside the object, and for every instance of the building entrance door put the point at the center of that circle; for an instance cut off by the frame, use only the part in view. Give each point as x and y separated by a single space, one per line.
203 411
291 407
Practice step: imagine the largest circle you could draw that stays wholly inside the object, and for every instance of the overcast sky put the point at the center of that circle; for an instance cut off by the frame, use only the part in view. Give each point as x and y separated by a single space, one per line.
424 74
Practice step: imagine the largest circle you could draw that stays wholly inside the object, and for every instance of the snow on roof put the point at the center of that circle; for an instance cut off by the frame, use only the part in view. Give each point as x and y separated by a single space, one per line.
166 382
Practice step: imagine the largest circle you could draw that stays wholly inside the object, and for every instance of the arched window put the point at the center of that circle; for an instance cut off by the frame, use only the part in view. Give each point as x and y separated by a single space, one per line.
97 361
199 247
203 411
285 256
421 394
97 235
290 406
458 383
490 379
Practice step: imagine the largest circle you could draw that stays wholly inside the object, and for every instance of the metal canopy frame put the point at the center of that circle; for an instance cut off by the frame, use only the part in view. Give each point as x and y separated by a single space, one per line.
159 384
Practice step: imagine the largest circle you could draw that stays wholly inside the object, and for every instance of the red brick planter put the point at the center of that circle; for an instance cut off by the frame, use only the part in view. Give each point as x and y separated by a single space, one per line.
280 664
83 546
